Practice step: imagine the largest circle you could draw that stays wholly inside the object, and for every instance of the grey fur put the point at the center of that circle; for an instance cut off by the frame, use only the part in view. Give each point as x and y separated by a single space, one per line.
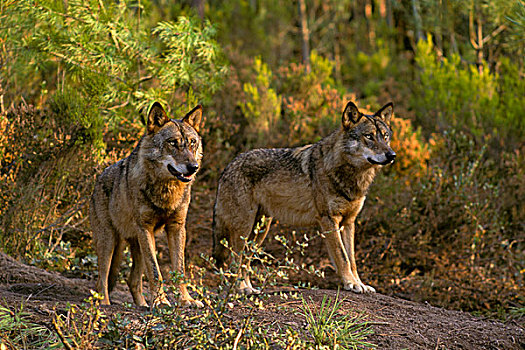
323 184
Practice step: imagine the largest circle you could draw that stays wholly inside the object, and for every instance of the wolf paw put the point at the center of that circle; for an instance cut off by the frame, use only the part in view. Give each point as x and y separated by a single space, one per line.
359 288
246 288
191 303
161 302
249 291
368 289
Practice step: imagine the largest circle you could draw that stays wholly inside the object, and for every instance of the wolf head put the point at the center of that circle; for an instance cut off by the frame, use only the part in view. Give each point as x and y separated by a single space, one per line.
173 147
367 138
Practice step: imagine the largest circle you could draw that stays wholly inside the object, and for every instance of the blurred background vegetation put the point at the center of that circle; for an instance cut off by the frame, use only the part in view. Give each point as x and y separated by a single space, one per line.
444 224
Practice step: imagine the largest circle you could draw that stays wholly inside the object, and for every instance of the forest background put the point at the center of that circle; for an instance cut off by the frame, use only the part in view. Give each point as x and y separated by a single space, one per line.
444 224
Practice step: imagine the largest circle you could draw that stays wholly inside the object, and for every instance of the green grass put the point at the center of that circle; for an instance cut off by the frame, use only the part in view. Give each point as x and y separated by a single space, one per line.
330 328
17 331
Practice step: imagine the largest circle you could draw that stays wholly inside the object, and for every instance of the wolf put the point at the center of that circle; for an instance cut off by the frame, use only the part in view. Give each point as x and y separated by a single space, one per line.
140 195
324 183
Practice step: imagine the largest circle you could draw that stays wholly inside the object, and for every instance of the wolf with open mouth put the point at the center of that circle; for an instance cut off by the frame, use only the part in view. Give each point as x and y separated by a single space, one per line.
142 194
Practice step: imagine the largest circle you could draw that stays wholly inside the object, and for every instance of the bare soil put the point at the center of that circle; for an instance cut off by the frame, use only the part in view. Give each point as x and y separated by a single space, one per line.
397 323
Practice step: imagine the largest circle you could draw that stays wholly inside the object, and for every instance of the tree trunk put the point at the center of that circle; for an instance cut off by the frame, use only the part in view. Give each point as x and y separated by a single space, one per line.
389 14
417 20
476 37
305 35
198 5
370 24
480 45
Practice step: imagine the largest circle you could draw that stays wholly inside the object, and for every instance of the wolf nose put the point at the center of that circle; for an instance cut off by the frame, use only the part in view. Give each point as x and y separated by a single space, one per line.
390 155
192 168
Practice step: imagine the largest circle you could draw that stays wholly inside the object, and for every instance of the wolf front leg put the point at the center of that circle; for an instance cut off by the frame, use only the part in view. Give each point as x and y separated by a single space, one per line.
176 233
105 249
348 241
146 240
338 254
135 275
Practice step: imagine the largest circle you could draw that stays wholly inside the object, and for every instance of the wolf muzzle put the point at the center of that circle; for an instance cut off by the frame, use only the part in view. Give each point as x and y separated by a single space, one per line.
390 156
186 176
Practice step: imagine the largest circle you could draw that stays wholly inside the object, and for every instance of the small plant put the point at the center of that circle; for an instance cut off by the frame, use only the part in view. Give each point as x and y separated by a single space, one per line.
229 320
82 325
17 331
329 328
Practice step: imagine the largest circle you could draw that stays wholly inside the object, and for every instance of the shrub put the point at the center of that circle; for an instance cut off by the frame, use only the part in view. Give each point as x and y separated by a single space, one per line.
262 107
413 153
43 185
297 107
452 93
102 41
454 236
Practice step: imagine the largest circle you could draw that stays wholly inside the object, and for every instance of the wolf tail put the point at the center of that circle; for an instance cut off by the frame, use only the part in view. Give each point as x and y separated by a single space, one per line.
220 252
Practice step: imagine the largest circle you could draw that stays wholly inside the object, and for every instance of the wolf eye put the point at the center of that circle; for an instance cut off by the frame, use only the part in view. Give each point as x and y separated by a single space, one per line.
173 143
369 136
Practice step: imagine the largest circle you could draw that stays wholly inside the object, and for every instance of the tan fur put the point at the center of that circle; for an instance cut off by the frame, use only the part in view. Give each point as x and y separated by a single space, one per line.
140 195
323 184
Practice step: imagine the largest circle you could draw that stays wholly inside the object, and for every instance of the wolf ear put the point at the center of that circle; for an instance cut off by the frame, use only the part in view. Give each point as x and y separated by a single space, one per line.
386 112
157 117
194 117
351 115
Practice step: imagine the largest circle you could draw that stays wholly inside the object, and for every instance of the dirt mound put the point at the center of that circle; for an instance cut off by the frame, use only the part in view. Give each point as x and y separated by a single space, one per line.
397 323
29 282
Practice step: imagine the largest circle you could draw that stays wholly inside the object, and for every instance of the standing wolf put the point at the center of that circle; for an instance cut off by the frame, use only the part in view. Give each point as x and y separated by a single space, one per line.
325 183
140 195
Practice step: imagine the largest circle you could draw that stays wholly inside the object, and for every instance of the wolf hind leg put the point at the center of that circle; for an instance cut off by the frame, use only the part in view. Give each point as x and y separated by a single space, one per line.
106 244
240 227
246 286
220 233
114 269
135 276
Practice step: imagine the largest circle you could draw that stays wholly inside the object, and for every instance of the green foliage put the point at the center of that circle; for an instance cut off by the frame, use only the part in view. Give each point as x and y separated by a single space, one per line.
73 108
460 95
511 108
517 20
43 184
106 44
332 329
291 107
262 107
82 325
449 93
312 101
463 215
18 331
229 320
369 71
257 28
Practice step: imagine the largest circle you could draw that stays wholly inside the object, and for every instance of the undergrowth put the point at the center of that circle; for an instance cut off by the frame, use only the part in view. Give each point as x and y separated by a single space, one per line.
19 331
228 320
